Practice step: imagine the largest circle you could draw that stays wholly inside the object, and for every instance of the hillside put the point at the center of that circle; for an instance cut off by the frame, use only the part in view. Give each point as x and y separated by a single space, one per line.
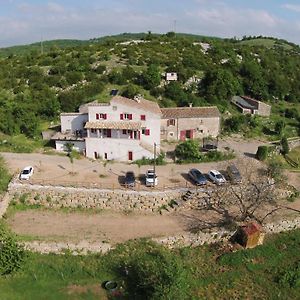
35 86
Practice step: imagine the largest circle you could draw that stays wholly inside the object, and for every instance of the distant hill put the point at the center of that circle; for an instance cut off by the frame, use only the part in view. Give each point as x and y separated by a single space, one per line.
269 43
46 45
65 43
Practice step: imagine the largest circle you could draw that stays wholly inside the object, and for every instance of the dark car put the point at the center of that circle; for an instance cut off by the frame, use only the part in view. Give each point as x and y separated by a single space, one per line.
197 177
234 174
129 179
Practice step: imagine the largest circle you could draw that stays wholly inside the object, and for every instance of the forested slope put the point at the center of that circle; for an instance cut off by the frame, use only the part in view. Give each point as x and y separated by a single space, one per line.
36 86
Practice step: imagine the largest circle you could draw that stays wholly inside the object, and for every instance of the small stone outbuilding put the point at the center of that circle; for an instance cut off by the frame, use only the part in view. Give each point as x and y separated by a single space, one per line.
249 235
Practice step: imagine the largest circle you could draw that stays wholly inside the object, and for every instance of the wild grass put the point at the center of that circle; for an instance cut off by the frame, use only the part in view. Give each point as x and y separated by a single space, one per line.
19 144
261 273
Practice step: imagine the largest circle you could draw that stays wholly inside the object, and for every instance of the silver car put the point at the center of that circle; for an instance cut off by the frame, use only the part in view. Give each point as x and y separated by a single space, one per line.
216 177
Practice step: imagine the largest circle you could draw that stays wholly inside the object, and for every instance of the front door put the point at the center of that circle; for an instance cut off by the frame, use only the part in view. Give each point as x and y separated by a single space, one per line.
108 132
182 135
130 155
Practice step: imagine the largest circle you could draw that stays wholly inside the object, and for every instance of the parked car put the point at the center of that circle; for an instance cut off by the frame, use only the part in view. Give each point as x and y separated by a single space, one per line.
197 177
216 177
26 173
129 179
234 174
151 178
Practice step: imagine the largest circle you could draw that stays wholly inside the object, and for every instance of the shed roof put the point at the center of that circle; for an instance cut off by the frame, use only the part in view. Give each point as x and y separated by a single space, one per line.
242 102
190 112
113 125
251 228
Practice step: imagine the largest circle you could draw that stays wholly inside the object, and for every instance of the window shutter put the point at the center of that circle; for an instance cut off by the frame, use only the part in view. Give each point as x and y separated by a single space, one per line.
124 131
147 132
143 117
97 116
104 116
130 117
121 116
168 122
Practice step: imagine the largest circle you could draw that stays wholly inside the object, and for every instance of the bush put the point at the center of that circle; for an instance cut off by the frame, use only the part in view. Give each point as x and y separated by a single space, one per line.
149 271
12 255
160 161
285 149
188 150
4 176
262 153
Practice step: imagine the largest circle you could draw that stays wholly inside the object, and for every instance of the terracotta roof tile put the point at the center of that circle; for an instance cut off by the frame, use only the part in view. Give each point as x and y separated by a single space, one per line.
190 112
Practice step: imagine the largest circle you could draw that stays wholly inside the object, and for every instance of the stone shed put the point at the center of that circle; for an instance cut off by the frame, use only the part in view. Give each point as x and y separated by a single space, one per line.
249 235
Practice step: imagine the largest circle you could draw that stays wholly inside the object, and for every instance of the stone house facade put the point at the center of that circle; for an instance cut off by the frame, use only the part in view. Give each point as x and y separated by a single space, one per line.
183 123
127 129
123 129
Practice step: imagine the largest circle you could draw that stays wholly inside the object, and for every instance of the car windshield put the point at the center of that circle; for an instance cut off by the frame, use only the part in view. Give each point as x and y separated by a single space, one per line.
219 176
25 172
130 175
151 176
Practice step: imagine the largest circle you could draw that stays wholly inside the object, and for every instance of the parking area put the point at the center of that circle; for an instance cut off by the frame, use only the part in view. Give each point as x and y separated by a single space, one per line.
58 170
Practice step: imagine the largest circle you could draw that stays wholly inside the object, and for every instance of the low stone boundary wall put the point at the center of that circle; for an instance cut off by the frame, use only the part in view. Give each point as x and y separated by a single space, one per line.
82 248
184 240
60 197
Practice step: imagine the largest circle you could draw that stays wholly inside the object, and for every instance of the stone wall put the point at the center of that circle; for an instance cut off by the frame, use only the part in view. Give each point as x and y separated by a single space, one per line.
183 240
294 143
119 200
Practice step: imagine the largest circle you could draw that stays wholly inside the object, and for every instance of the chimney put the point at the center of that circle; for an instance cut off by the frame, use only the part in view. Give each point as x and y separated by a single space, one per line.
191 104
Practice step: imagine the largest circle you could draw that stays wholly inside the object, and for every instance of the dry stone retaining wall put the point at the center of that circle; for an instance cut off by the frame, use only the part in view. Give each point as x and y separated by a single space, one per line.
59 197
184 240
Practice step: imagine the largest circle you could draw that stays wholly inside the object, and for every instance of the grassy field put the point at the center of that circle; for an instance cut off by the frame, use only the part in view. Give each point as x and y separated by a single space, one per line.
266 272
269 43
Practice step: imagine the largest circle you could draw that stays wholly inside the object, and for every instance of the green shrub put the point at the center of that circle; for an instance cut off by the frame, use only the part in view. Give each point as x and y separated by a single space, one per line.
285 149
188 150
262 153
12 255
160 161
149 271
4 176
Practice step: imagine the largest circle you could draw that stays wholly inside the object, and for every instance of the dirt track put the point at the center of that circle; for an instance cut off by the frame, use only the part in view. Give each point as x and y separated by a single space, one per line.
106 226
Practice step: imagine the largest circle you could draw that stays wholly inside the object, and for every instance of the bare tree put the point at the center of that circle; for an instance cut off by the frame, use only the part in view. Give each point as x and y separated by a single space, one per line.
256 198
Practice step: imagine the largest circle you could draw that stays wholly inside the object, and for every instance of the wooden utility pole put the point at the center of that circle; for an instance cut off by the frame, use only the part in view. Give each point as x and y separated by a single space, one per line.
154 159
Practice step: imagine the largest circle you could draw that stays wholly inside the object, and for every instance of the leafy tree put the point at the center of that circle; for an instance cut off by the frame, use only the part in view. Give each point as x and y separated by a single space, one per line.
284 145
149 271
279 127
151 77
188 150
219 84
12 255
175 92
130 91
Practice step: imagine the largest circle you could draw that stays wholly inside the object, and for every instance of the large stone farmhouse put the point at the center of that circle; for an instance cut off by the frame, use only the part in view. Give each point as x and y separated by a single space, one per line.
127 129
